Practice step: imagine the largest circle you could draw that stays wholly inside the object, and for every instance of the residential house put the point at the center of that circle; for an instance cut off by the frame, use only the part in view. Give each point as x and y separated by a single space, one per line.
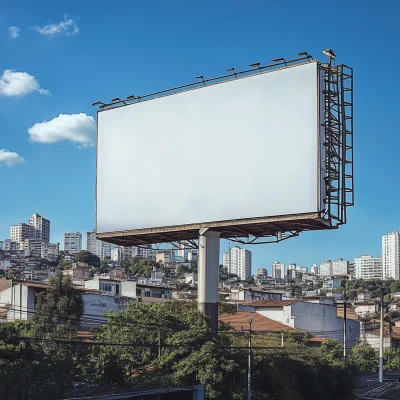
316 318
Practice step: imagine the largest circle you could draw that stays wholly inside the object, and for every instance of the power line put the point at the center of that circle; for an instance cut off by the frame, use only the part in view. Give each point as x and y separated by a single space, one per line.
95 318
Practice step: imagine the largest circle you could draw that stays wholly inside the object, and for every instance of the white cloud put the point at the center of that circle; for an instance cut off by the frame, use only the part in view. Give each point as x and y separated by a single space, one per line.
77 128
13 83
67 27
10 158
14 32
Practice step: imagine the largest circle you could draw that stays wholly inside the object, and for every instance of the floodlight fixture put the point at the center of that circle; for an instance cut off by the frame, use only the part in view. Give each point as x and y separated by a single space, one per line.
279 59
330 53
116 100
232 70
98 103
305 54
202 78
255 65
131 97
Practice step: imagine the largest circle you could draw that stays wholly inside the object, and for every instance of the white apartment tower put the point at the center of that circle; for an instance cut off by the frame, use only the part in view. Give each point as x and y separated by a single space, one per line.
182 250
238 261
41 226
20 232
390 255
278 270
98 247
116 253
72 242
368 267
330 268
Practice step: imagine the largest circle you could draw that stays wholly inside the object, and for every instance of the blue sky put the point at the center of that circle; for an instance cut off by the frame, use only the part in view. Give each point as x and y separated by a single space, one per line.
83 51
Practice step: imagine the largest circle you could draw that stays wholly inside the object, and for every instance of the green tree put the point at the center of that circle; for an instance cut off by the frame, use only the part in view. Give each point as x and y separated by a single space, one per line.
250 280
58 309
58 312
363 358
87 257
395 286
142 267
180 333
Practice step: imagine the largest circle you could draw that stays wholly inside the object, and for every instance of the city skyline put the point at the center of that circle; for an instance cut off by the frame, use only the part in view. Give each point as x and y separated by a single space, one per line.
326 268
39 119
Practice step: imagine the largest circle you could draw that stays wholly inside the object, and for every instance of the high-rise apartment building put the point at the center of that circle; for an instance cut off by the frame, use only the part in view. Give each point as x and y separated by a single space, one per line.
116 253
126 254
278 270
238 261
391 255
32 247
50 251
72 242
314 269
262 271
42 227
10 245
98 247
21 231
368 267
183 250
329 268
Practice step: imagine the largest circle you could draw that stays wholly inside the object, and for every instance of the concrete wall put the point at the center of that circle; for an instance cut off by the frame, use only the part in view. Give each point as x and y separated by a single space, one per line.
318 319
128 289
321 320
92 284
96 305
21 298
362 309
373 341
280 314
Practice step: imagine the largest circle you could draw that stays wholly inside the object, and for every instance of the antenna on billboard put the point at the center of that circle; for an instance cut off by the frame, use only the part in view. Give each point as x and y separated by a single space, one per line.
330 54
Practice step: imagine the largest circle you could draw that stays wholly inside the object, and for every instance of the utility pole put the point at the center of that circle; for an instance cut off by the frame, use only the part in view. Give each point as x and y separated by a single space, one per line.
282 338
381 341
344 327
249 366
159 343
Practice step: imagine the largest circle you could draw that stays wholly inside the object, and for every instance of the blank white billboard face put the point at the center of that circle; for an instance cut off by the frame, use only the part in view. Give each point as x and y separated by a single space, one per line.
245 148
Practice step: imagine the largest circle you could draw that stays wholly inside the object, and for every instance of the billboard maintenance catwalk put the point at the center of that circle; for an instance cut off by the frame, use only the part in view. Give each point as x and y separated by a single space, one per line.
169 163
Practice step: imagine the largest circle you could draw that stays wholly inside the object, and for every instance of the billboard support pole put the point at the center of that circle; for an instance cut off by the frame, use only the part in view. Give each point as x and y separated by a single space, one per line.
208 275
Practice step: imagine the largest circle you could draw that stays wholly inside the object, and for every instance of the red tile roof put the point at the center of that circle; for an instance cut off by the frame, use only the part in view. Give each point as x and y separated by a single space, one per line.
270 303
259 322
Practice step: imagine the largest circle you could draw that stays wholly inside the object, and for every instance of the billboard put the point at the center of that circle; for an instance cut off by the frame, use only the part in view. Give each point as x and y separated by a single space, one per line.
244 152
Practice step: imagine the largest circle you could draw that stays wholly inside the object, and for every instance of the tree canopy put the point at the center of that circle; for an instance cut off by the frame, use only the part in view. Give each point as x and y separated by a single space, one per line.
87 257
58 309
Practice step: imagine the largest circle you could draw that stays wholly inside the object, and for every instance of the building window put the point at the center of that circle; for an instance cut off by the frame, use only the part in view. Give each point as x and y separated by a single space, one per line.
138 292
106 287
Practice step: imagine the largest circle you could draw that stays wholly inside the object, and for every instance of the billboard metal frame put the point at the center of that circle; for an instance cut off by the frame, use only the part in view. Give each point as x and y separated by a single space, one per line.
339 179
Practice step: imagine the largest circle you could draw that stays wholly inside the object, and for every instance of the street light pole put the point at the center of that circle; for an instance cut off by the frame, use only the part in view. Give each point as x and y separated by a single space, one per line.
249 366
344 326
381 340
